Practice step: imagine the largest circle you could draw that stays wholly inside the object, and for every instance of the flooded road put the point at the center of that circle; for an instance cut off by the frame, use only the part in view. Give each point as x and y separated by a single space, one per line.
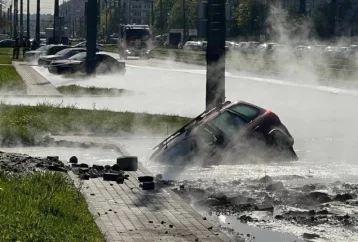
321 119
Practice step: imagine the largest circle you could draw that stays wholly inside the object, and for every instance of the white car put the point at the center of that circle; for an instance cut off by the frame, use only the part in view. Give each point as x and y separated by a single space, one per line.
83 45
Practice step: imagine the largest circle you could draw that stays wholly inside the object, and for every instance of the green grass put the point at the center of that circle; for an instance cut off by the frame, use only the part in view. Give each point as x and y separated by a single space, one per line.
10 80
27 124
44 207
78 90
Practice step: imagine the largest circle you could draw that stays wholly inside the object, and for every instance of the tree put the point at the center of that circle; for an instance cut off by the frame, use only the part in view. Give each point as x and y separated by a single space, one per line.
324 20
251 17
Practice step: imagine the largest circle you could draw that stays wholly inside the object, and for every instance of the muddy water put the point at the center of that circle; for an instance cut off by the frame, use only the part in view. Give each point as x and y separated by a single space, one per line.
329 172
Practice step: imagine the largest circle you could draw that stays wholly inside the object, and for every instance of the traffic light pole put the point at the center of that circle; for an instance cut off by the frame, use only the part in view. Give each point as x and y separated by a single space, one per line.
215 53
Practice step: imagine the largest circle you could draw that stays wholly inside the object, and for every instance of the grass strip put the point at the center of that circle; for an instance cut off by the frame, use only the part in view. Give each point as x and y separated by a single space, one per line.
44 207
92 90
10 80
27 124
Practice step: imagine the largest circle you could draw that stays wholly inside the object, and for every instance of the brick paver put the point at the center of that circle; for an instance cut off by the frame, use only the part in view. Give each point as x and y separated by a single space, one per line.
35 82
125 212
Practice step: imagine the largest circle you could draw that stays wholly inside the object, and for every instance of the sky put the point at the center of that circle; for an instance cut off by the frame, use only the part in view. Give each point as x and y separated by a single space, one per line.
46 6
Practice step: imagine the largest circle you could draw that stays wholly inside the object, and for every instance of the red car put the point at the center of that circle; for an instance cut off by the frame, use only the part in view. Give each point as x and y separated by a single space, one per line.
231 133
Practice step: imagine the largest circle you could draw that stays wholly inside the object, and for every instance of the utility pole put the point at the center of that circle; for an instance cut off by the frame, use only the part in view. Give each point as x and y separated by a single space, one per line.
56 23
16 12
215 53
28 19
91 35
21 21
38 22
184 23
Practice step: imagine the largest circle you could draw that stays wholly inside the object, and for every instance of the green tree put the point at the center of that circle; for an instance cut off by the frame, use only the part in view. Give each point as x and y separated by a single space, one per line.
323 21
251 17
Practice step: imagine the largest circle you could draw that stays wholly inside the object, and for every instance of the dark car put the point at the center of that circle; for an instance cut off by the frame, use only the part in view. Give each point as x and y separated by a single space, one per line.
7 43
44 50
61 55
231 133
104 64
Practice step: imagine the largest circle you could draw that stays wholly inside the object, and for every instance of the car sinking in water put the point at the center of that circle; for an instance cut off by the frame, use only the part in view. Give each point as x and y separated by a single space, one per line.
231 133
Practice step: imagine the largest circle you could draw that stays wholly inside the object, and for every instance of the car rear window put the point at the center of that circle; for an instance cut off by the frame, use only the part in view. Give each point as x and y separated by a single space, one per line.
248 111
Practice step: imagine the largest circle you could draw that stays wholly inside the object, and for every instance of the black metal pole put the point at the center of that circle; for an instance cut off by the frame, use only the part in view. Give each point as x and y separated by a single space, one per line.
161 16
56 22
28 19
38 22
21 21
152 9
215 54
16 15
99 15
91 36
184 23
11 20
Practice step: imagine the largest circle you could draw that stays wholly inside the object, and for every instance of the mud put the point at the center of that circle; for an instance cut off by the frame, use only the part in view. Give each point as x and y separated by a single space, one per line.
267 202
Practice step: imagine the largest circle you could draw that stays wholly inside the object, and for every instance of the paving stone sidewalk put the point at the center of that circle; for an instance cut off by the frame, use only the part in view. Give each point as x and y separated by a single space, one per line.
35 82
125 212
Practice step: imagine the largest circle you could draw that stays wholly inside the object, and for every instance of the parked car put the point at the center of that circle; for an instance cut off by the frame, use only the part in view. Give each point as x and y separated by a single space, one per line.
44 50
61 55
230 133
7 43
104 64
83 45
193 45
351 52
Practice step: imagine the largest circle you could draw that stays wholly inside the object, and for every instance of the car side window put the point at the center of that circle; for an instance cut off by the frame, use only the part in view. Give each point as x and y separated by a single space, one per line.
180 151
229 123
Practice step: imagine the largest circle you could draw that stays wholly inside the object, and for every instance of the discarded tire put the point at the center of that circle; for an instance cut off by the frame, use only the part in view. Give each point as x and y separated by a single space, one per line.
128 163
111 176
145 179
148 186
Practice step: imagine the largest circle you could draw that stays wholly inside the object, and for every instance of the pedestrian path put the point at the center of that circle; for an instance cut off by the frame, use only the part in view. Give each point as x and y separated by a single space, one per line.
35 82
125 212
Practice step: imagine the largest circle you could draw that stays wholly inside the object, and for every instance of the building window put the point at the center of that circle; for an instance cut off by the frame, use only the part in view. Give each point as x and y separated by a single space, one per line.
136 13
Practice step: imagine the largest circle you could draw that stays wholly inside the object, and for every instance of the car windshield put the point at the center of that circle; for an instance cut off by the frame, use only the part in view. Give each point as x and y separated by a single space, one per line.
43 48
133 34
79 56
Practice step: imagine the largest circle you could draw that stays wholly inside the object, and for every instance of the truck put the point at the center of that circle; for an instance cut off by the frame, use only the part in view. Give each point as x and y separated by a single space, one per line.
63 34
134 40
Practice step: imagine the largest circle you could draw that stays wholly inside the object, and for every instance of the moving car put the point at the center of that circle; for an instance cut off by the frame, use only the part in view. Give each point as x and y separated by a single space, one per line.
104 64
7 43
61 55
230 133
44 50
99 47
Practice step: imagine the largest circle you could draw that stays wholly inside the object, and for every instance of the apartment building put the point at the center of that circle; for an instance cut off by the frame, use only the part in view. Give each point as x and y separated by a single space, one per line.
137 11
